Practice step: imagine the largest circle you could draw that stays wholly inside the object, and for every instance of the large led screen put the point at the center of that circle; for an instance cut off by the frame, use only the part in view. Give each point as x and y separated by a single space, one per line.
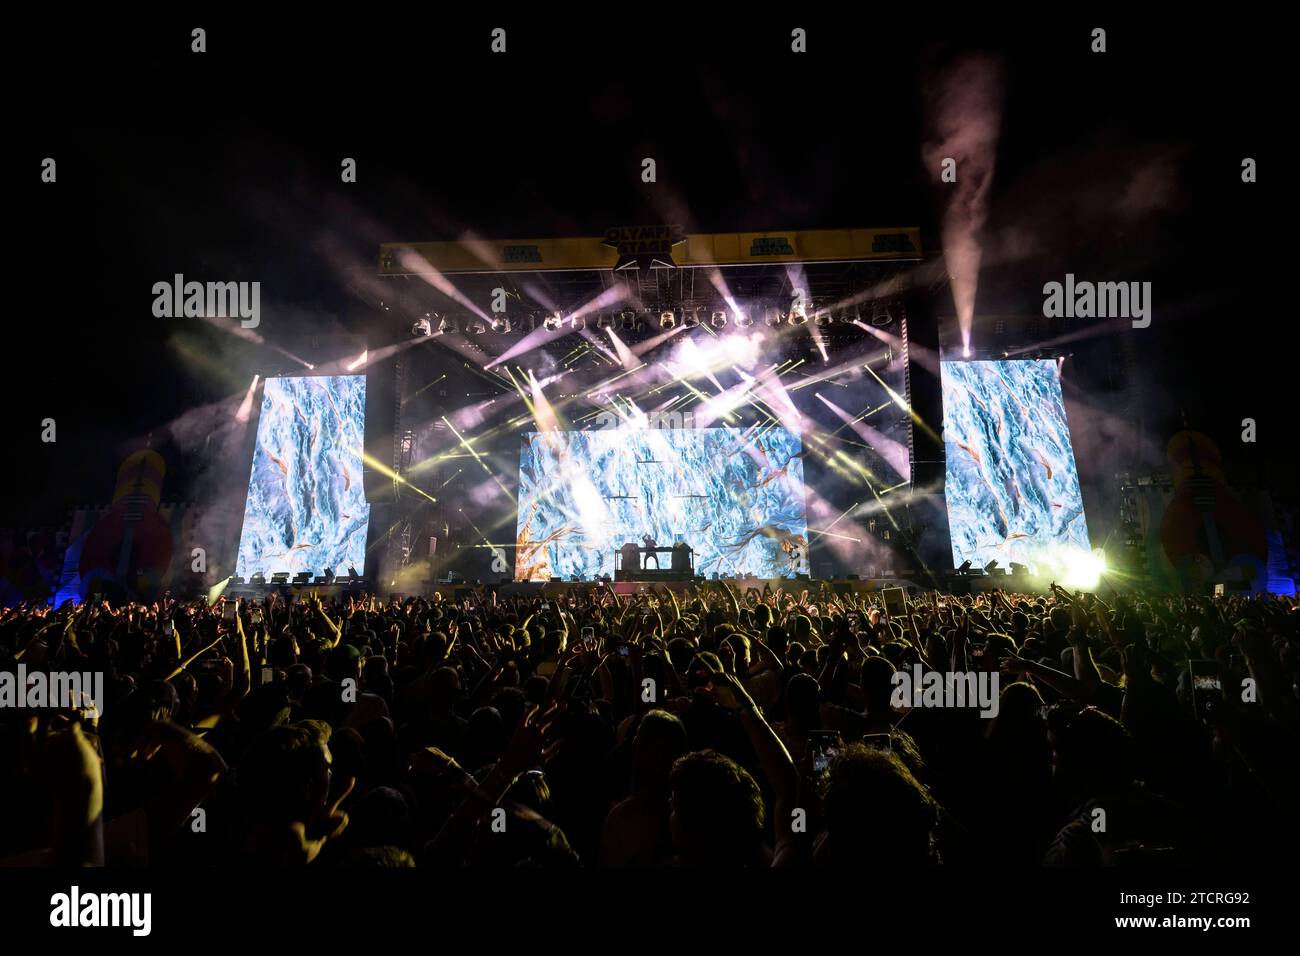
306 508
1012 487
736 497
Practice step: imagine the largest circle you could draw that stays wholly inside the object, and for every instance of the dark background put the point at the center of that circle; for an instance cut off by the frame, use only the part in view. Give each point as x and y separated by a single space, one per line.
1122 166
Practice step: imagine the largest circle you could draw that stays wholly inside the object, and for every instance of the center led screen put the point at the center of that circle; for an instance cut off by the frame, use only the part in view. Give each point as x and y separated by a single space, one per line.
735 497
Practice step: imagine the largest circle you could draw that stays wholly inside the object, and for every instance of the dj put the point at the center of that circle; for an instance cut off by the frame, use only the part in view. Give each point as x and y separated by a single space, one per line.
649 542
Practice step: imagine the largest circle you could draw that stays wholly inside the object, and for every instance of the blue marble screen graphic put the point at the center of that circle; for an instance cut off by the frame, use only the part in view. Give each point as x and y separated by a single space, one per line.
306 508
736 497
1012 486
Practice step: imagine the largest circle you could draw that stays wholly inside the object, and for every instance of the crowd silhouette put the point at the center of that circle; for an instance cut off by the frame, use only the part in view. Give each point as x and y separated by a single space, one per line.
708 727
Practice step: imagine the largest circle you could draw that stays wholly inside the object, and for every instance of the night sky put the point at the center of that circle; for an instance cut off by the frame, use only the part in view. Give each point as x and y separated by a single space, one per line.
1123 166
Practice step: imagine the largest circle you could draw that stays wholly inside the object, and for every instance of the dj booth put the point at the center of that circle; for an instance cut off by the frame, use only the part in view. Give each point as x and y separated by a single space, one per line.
630 563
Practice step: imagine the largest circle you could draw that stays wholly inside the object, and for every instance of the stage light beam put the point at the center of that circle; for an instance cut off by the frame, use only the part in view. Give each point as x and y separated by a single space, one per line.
245 411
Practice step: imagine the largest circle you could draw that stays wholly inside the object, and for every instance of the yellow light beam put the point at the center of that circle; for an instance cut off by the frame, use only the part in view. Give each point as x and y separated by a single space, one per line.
902 403
425 388
387 472
831 534
837 520
478 458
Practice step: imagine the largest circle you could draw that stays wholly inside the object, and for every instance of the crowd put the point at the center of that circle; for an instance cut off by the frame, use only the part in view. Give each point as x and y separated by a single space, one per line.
708 727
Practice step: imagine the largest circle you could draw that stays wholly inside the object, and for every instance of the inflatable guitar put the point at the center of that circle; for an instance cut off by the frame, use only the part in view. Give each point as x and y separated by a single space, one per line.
1206 533
129 550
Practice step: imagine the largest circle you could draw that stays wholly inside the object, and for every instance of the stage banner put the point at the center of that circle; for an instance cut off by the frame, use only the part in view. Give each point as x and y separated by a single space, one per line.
648 247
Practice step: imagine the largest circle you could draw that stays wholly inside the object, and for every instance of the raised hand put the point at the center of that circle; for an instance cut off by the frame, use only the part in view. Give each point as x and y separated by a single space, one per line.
1078 615
727 654
534 741
328 826
727 692
1014 666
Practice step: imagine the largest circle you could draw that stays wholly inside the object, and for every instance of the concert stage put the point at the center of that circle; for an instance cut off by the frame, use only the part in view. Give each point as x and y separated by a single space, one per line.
762 436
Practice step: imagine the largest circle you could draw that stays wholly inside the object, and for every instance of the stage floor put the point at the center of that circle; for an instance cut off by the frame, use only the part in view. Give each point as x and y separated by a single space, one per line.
792 586
952 585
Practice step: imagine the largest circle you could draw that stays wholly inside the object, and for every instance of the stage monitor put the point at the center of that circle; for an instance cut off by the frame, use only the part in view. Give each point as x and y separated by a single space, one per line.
736 497
1011 484
306 508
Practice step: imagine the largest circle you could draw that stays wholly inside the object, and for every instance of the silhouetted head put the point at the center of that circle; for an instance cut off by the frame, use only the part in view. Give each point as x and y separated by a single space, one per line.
877 813
660 740
285 775
802 701
877 684
1091 751
717 811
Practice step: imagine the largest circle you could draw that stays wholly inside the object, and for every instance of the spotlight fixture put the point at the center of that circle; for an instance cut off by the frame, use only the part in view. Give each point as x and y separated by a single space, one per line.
553 322
691 319
744 320
604 321
329 575
446 325
666 319
773 317
718 320
822 318
423 328
798 307
991 566
501 324
352 572
880 315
